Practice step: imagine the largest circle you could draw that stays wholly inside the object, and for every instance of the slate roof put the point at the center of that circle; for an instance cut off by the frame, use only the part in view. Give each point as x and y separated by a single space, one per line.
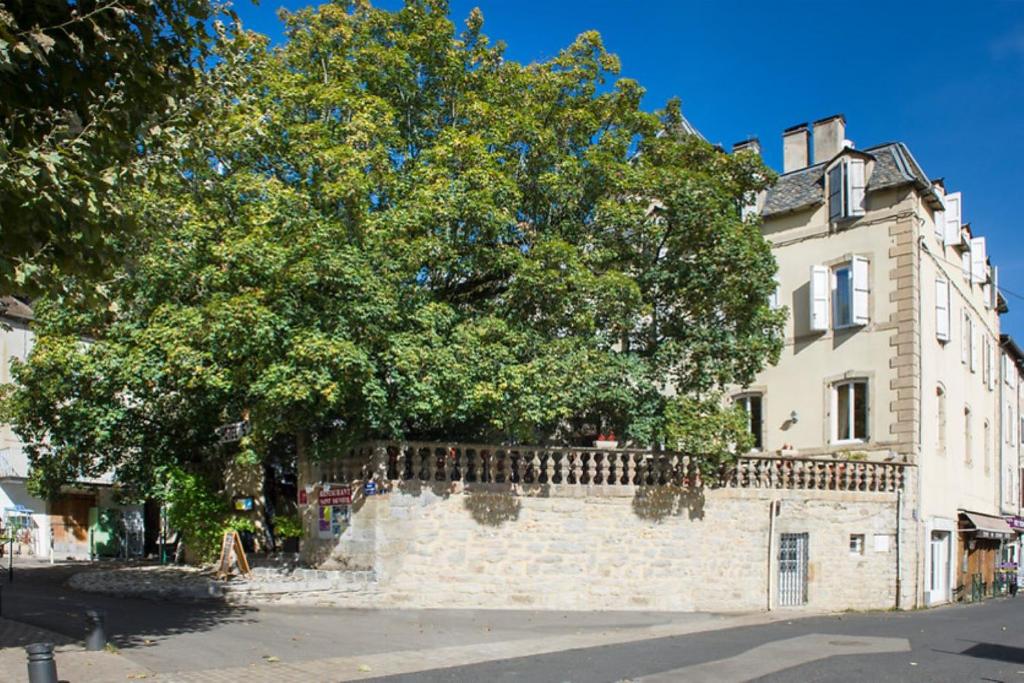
805 188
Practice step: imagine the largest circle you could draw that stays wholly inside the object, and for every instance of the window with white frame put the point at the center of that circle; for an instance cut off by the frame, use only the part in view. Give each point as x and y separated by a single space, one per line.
846 189
850 411
942 317
839 295
753 405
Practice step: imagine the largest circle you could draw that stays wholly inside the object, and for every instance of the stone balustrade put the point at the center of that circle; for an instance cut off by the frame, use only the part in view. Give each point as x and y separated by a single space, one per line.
535 465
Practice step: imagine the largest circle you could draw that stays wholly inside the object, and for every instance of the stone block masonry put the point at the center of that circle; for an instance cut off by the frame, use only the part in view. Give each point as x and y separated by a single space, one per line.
568 546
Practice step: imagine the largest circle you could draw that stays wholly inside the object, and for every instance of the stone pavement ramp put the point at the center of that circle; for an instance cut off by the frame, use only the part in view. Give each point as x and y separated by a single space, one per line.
778 656
74 664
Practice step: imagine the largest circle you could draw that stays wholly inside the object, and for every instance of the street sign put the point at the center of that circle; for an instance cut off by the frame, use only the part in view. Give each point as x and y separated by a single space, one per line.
370 488
233 431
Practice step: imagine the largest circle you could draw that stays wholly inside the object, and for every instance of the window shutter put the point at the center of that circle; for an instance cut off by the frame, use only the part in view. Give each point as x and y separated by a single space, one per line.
775 297
953 209
835 192
993 350
974 347
994 289
940 225
942 309
965 339
855 187
978 260
861 289
965 263
819 298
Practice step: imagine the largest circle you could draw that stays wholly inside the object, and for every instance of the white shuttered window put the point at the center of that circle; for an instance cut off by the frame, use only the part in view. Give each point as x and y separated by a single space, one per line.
855 187
819 286
965 339
861 287
953 213
942 318
979 265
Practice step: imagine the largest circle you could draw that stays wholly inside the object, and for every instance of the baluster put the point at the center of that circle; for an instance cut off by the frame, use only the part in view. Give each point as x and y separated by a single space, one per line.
577 467
469 456
549 467
520 467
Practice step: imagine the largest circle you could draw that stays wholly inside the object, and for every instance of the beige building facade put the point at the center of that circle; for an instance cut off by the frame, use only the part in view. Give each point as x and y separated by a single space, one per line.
892 349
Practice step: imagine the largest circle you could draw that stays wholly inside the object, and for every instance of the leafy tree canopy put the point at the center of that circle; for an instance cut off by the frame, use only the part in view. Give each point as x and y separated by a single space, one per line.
86 85
387 229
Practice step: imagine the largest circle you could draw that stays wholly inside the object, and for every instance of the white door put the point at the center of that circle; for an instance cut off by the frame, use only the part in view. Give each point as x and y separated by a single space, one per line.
938 576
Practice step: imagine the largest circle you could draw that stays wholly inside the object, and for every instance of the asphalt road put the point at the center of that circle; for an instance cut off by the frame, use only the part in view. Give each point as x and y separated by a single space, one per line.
957 643
982 642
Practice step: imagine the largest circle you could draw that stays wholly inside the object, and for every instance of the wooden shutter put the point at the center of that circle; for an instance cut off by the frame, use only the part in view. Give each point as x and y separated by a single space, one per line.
974 347
940 225
994 290
979 261
993 351
953 212
965 338
855 187
965 263
861 288
942 309
819 298
835 192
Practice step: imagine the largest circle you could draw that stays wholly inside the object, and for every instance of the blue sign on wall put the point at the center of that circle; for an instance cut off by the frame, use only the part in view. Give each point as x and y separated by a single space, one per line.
370 488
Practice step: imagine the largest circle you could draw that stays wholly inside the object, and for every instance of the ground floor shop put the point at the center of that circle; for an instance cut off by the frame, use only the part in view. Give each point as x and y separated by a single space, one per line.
83 523
985 544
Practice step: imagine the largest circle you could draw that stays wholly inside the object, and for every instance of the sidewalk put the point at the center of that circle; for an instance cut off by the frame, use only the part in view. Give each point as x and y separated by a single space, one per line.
74 664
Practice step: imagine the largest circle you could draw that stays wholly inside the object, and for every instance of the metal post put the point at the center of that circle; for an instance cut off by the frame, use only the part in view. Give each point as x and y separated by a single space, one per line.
10 561
41 666
96 635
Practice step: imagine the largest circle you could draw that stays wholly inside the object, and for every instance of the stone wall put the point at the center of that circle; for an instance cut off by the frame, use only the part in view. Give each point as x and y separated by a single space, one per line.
456 544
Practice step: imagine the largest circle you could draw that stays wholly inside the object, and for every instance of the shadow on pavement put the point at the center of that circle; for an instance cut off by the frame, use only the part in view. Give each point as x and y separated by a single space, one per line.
1001 653
40 597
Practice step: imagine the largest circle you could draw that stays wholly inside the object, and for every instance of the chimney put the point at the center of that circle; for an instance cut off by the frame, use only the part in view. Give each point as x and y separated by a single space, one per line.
795 147
750 144
829 137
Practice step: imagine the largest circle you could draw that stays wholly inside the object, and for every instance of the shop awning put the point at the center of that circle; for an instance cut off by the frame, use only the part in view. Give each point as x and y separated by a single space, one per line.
986 526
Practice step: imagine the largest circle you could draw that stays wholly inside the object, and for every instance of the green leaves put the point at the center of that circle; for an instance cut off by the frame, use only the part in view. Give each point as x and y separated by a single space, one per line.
383 230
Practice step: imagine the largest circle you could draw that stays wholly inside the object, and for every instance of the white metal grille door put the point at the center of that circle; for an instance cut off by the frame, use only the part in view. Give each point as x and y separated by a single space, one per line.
793 570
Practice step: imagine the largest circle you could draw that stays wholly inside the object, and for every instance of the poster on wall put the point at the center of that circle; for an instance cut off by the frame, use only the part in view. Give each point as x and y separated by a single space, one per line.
324 521
339 519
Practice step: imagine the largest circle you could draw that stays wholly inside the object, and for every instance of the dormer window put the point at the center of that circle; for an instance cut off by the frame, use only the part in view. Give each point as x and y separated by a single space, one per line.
846 190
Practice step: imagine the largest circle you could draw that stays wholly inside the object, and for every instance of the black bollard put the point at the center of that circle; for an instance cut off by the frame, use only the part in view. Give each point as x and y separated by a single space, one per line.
41 666
96 633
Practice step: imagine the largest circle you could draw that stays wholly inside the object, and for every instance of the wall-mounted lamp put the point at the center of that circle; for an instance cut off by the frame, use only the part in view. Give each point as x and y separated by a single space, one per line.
793 417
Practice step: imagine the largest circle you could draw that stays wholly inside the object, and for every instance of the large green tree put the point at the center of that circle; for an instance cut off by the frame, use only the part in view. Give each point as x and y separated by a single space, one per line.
86 86
385 228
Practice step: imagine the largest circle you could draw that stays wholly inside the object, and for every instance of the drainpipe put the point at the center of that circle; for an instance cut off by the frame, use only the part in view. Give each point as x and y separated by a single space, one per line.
771 541
899 552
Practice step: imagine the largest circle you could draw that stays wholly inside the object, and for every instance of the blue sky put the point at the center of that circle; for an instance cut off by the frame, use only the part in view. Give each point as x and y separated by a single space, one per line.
944 77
